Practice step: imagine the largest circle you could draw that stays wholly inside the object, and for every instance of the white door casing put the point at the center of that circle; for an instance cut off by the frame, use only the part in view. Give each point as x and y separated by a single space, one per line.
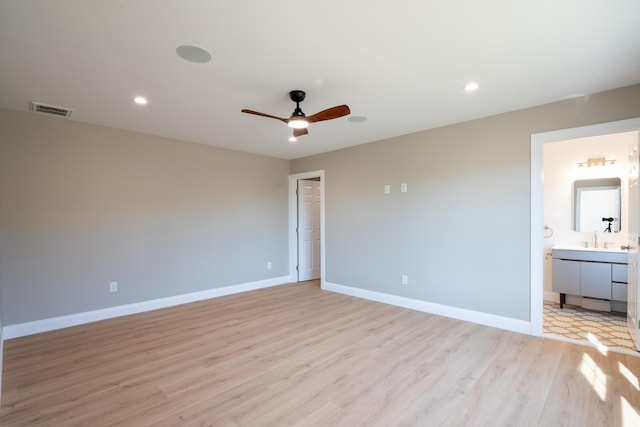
293 224
536 230
309 243
633 316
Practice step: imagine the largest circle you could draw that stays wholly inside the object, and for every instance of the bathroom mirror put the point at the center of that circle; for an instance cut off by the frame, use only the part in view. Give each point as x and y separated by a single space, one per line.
596 204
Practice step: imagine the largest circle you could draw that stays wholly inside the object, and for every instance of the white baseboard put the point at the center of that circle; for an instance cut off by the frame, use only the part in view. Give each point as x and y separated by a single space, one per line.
551 296
44 325
493 320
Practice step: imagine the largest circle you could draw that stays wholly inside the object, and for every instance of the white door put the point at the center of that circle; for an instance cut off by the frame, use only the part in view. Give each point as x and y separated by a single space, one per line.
308 230
633 289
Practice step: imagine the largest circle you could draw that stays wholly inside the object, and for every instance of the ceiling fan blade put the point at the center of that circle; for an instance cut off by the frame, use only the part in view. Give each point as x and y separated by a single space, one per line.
256 113
300 132
330 113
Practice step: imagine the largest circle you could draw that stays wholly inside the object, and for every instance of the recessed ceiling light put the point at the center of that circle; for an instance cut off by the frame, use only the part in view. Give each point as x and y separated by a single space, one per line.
357 119
193 54
471 87
140 100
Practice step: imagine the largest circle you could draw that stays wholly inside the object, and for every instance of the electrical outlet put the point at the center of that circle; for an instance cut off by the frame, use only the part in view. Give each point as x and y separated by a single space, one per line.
269 265
403 187
387 189
113 286
405 279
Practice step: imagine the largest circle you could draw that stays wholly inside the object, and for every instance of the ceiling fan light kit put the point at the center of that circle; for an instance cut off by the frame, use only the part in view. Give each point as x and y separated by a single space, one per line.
298 121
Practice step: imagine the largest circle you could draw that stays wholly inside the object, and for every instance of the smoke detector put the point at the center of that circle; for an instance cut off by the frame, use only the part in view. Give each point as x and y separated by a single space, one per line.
39 107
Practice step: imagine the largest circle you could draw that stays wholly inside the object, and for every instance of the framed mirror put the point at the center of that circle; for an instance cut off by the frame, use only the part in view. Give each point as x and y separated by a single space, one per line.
596 204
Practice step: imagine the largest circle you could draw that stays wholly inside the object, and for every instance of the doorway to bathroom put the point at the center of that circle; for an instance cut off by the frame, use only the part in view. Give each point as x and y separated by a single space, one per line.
559 159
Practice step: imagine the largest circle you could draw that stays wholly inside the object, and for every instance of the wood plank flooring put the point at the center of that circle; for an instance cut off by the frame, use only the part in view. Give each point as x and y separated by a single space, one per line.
296 355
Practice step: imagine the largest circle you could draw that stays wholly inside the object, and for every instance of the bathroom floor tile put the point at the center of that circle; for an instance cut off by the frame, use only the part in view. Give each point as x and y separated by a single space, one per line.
576 323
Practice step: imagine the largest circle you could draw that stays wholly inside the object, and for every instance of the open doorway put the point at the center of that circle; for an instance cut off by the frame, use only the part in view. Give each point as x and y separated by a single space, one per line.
540 257
576 203
306 233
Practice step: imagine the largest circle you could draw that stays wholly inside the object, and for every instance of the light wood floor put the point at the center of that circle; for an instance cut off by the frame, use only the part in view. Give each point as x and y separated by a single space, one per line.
295 355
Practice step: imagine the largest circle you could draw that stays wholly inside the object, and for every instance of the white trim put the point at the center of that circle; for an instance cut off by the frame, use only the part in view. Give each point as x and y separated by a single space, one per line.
515 325
44 325
537 212
537 271
293 221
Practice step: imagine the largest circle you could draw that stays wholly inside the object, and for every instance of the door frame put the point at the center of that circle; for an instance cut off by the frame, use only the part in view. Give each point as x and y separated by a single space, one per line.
537 216
293 223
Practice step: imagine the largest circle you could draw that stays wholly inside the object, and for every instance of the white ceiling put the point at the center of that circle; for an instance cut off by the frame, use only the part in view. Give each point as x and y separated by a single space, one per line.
400 63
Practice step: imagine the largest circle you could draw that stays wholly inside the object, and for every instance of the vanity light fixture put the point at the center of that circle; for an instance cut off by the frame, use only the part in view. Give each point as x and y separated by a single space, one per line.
598 161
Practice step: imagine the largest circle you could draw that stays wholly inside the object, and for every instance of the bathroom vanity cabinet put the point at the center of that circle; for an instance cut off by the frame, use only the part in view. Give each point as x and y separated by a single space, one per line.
597 278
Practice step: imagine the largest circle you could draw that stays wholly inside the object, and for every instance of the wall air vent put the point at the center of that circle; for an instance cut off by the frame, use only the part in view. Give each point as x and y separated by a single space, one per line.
39 107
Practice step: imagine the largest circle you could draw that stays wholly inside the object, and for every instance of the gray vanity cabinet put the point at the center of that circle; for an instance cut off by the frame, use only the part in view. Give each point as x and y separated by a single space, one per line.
619 282
566 276
590 274
595 280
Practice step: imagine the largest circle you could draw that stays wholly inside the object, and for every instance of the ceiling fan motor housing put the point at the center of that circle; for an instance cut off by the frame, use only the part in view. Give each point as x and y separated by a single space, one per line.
297 113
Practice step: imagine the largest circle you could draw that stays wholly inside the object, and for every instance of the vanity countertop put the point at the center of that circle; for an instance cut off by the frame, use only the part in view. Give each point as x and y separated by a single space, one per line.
580 248
613 255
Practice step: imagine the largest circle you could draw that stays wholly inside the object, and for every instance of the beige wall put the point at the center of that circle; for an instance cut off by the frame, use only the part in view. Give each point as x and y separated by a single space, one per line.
462 231
83 205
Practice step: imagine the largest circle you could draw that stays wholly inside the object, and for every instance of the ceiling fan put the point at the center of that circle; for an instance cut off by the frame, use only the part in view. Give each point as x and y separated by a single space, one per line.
298 120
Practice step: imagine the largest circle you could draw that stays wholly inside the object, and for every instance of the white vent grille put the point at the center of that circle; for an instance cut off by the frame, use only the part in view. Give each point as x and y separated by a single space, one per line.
50 109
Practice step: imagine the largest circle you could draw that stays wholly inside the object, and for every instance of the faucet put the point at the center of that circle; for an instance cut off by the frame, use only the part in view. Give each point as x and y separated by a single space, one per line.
595 239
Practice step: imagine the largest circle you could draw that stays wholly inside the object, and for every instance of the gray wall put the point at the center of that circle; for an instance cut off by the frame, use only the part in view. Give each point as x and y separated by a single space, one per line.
83 205
462 231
